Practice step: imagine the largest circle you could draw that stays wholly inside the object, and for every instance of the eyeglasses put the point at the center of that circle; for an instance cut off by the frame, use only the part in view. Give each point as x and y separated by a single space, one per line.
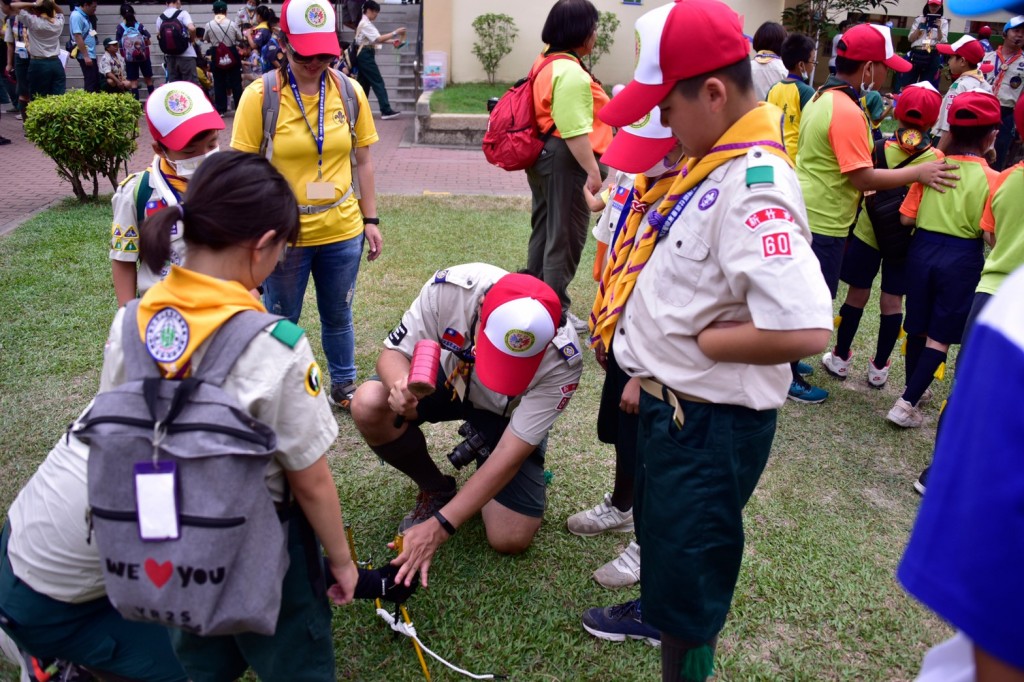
303 59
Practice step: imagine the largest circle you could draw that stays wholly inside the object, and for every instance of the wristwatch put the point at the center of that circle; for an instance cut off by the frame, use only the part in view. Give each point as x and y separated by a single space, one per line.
371 221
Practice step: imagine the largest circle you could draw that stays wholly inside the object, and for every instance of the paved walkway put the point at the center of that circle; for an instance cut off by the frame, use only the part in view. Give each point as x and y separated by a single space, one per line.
31 183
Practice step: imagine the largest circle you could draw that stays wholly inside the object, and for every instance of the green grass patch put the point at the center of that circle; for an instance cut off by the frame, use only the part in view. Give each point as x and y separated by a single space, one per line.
816 598
465 98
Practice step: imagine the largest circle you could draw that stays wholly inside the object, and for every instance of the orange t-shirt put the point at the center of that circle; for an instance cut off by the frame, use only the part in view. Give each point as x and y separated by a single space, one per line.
564 95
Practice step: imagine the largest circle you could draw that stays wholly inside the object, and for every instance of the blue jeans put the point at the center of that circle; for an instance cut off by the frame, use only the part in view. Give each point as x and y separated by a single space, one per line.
334 268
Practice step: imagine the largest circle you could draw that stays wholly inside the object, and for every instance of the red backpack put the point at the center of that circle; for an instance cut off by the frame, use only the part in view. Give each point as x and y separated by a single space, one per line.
512 140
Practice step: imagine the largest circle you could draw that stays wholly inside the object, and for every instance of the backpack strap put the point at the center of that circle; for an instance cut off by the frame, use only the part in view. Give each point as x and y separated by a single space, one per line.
910 158
350 102
270 111
230 340
143 192
533 75
138 363
878 155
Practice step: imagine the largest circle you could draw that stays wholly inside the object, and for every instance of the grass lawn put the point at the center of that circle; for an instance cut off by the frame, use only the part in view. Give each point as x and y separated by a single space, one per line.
816 598
465 98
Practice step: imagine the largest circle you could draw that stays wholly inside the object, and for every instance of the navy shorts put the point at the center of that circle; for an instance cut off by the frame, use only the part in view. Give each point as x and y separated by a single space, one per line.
829 251
861 264
526 493
132 69
942 274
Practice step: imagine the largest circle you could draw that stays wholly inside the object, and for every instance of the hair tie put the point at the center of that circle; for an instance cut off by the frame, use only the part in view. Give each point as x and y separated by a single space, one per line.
181 211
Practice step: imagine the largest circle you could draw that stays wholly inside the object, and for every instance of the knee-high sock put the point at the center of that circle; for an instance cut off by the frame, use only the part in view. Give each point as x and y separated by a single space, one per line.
888 333
622 493
686 661
923 373
847 329
915 344
408 453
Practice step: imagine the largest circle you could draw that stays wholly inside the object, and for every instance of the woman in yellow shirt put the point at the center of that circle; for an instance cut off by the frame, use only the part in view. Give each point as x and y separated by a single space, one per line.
312 148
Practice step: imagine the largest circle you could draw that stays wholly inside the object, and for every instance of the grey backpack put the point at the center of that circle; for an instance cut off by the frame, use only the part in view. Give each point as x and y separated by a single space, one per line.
223 573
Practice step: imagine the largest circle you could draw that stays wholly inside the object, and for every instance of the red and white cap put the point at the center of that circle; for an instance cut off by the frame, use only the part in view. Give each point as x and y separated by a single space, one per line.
310 26
638 146
919 105
177 112
871 43
518 319
967 47
674 42
974 109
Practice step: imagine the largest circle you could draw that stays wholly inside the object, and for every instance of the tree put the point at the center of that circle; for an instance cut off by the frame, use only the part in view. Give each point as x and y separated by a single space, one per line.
607 25
496 33
815 17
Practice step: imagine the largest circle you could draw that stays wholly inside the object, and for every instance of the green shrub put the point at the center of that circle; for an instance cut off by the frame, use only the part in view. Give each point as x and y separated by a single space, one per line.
496 33
86 134
607 25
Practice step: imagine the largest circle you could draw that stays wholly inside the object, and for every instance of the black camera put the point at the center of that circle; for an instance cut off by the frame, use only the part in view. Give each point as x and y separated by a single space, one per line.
932 20
473 446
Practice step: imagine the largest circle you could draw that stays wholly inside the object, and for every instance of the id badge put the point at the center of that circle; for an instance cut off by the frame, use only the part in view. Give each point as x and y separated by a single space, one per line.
156 501
319 190
92 33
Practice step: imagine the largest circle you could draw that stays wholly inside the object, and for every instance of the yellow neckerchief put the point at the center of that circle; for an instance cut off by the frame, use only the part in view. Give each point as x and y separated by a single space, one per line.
645 197
975 74
765 57
177 314
260 25
179 184
760 127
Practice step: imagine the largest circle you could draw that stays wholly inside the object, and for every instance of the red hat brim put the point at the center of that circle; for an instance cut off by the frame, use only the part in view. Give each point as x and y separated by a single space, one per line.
635 154
634 102
311 44
184 133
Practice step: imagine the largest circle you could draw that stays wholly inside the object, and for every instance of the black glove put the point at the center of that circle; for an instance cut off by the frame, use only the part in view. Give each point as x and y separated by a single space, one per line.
379 583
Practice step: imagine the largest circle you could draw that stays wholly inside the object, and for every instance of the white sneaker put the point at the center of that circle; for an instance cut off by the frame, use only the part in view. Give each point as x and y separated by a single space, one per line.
836 366
602 518
622 571
582 327
906 415
877 377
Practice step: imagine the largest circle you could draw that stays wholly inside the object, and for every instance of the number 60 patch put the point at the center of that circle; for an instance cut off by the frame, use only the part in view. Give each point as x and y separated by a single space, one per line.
776 245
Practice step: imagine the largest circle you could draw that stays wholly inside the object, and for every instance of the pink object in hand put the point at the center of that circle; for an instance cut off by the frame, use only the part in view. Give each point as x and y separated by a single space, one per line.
426 360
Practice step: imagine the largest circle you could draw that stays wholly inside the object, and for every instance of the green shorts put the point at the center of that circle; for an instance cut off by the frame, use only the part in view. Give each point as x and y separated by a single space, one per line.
691 487
91 634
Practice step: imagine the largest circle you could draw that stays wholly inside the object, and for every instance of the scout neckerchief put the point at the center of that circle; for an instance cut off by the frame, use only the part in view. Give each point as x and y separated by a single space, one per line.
639 200
318 136
765 57
170 185
757 128
1002 67
184 309
975 74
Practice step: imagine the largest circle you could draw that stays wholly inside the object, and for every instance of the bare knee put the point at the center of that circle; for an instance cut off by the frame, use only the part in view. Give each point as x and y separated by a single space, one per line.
508 532
507 543
890 304
858 298
371 413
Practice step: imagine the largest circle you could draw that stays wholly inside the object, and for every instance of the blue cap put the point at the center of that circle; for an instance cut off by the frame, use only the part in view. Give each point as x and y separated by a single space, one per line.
968 7
1013 23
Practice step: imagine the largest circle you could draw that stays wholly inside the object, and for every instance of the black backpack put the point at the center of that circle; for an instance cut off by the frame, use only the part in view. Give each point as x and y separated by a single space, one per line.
173 36
883 208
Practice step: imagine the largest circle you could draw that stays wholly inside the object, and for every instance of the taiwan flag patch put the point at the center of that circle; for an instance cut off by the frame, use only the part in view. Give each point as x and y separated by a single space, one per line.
620 196
154 205
452 340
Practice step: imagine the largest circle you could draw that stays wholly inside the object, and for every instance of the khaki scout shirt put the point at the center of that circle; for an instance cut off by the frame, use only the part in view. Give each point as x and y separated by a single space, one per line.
446 312
736 253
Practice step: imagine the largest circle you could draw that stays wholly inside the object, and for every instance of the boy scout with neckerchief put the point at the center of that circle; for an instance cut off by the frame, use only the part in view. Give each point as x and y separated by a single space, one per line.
731 294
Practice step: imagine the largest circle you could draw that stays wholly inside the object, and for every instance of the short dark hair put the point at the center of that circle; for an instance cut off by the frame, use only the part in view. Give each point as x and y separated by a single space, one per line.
847 65
569 24
797 48
266 13
738 74
769 36
233 198
371 6
967 139
127 12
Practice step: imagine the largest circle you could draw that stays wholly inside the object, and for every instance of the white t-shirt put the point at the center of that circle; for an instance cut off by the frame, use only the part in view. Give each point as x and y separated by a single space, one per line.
186 19
366 33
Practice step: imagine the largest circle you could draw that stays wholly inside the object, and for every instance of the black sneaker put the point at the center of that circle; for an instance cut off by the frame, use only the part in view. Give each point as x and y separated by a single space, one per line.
341 396
426 504
920 482
620 622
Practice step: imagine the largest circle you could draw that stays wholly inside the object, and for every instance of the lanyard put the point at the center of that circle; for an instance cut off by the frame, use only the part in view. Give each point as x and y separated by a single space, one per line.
623 214
318 136
664 223
1002 68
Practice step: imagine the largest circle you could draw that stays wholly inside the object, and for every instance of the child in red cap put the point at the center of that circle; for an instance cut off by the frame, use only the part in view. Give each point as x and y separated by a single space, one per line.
965 55
835 165
916 111
946 253
717 291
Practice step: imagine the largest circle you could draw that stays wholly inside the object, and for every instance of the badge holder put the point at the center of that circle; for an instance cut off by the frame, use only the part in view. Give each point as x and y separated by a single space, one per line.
156 495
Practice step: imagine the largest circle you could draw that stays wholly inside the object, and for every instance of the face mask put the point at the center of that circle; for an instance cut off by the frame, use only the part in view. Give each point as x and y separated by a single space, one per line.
804 77
186 168
250 6
664 165
867 87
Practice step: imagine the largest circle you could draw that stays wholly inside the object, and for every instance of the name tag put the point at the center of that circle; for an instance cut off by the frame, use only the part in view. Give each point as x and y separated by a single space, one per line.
319 190
156 501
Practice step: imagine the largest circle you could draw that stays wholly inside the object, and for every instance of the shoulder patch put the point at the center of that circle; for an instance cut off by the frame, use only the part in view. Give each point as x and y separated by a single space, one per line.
314 379
569 351
287 332
465 277
760 175
441 276
128 179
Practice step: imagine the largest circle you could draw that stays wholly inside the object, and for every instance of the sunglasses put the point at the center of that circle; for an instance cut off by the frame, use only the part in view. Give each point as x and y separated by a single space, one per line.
302 59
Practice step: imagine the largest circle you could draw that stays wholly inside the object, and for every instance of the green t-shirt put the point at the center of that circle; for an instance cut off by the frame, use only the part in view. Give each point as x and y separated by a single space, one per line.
957 211
894 156
1005 218
834 140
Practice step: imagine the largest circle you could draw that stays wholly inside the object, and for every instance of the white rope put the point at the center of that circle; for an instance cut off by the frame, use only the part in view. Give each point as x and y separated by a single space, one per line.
409 630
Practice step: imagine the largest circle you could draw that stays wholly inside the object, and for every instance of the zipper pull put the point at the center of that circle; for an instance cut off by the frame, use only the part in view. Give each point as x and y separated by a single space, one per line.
88 523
